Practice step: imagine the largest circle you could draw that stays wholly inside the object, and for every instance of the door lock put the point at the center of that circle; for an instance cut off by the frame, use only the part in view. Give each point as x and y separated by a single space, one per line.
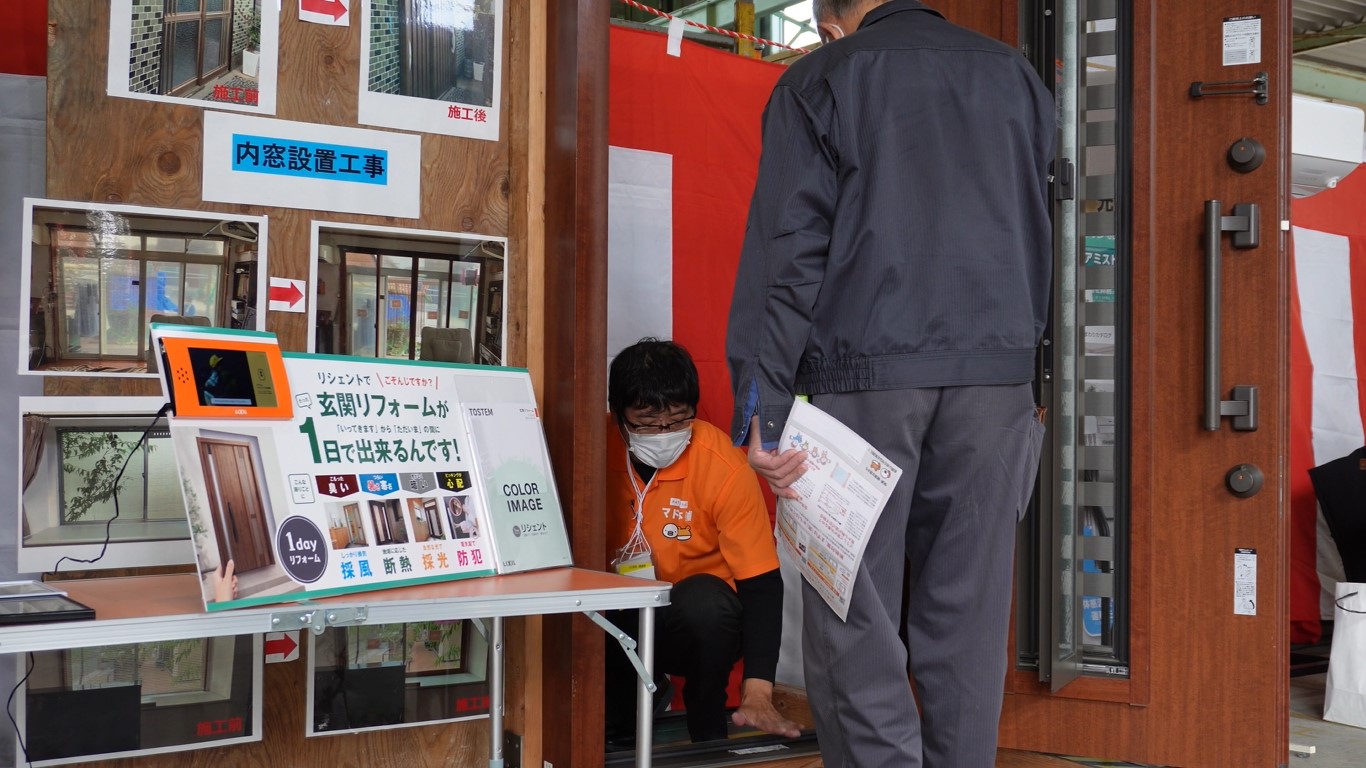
1246 155
1244 481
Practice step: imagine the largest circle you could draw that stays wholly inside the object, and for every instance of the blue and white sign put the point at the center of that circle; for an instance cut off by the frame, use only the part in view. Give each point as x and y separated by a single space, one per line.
260 161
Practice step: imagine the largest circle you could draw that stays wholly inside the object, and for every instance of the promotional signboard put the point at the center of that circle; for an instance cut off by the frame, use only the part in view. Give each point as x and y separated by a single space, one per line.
383 473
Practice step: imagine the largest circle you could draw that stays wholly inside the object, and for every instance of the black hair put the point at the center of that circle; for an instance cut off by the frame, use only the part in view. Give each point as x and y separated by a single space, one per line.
651 374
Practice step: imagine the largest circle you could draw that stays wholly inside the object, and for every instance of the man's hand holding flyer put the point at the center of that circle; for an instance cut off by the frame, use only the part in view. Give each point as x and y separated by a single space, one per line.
839 498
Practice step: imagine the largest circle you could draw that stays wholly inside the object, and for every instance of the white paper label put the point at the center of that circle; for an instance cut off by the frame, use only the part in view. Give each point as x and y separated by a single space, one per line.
1245 582
1242 40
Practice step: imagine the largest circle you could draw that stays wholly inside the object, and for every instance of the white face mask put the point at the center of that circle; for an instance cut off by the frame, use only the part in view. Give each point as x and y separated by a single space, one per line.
659 451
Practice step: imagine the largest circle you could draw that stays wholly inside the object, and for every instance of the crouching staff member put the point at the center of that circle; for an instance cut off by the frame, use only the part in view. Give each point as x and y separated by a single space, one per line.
685 507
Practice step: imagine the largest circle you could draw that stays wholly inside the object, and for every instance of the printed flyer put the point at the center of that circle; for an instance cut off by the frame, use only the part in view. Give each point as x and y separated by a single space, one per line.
387 473
840 497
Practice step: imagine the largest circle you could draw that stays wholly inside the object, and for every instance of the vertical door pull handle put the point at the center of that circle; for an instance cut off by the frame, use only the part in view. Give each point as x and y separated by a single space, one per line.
1244 224
232 522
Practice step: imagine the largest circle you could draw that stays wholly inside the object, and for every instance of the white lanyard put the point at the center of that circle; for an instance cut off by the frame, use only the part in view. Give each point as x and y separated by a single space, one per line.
637 543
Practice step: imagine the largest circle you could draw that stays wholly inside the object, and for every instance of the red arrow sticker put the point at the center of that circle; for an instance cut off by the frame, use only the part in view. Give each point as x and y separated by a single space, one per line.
286 295
281 646
334 9
289 294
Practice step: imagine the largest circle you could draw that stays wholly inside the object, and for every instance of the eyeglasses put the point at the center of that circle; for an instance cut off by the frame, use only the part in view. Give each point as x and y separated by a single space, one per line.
659 429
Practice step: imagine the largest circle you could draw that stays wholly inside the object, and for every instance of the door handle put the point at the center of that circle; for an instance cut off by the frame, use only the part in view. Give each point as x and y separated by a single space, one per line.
232 522
1244 224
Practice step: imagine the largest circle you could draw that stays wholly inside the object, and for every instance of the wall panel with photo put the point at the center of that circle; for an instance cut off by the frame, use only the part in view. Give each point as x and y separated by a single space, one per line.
92 471
407 294
89 704
432 66
393 675
96 276
208 53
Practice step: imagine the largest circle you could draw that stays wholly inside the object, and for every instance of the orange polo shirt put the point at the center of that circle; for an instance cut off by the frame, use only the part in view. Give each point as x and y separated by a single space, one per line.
702 514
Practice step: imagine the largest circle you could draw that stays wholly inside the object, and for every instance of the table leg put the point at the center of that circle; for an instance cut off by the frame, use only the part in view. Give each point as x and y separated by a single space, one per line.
645 700
496 695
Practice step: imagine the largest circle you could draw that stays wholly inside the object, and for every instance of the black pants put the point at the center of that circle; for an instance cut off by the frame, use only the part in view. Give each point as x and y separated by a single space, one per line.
697 636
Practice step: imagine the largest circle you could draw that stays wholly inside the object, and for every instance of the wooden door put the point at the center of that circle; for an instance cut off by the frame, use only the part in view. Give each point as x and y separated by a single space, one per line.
235 502
380 517
433 51
353 524
1204 679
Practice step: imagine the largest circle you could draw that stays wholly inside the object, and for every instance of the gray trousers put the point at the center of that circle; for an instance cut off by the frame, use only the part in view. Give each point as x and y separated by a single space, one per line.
968 457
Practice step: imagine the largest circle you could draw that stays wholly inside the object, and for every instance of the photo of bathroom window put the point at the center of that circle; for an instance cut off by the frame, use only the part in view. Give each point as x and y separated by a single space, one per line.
432 65
219 53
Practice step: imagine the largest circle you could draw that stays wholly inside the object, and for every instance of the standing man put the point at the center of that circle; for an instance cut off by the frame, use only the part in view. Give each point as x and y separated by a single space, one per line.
897 268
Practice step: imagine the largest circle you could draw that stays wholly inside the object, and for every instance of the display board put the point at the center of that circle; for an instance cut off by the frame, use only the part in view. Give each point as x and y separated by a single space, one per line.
374 474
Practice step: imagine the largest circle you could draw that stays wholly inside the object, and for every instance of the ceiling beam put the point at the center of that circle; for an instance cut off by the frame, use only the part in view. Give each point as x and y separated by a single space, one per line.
1317 40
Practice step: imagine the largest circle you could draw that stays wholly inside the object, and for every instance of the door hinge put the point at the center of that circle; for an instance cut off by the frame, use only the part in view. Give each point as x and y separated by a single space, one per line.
316 620
1063 175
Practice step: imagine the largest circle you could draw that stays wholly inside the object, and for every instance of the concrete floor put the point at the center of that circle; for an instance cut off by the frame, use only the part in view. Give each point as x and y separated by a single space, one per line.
1335 745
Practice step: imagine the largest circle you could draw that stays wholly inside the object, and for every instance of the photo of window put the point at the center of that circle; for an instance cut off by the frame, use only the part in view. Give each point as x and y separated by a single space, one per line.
389 675
96 277
432 65
71 489
407 294
142 698
219 53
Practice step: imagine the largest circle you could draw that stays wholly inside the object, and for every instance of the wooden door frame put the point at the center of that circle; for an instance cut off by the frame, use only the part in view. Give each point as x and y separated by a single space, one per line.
572 332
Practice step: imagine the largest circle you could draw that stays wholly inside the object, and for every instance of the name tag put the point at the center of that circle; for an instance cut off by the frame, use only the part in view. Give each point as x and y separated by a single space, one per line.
640 566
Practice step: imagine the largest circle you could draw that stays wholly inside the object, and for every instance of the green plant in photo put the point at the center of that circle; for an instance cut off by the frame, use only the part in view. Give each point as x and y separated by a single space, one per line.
254 30
93 460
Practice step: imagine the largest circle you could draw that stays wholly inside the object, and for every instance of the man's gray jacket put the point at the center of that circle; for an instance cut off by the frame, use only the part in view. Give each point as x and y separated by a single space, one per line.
899 234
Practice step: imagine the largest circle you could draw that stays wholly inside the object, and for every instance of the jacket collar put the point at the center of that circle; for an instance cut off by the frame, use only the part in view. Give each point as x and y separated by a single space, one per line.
895 6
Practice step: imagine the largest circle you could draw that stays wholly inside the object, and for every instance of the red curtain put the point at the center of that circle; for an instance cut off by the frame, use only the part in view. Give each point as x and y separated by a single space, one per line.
23 38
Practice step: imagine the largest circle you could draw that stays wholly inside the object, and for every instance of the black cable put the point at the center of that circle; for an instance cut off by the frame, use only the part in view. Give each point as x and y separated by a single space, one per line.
109 524
9 710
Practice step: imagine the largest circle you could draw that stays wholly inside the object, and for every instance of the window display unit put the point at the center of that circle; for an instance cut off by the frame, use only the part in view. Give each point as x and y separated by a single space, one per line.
103 702
73 449
404 294
96 276
393 675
